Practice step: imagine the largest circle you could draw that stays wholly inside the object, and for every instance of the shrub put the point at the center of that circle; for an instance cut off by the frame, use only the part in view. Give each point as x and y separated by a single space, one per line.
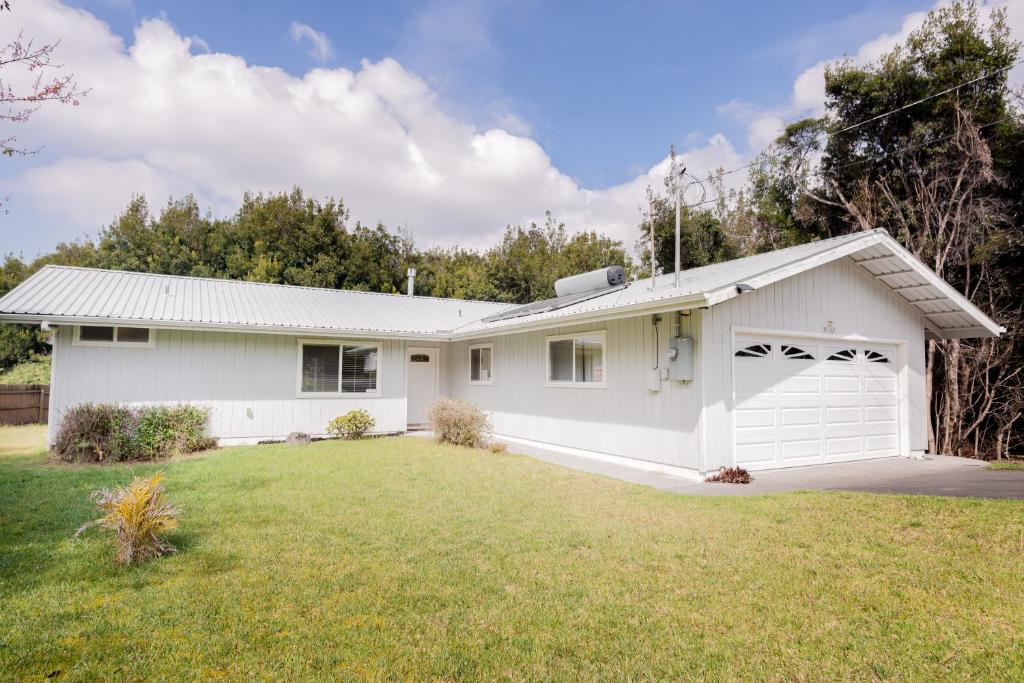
731 475
497 447
139 515
458 422
108 432
352 425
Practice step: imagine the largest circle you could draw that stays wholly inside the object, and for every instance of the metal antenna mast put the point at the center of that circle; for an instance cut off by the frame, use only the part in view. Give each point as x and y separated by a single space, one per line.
677 182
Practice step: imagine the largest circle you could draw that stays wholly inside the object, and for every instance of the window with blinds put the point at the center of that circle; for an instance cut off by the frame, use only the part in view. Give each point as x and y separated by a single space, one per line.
333 368
359 369
319 368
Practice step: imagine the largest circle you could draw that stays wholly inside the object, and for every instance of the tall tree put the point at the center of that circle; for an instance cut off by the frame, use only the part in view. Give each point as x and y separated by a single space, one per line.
927 142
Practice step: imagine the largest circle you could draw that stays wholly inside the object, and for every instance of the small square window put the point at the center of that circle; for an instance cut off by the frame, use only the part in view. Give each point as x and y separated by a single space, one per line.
133 335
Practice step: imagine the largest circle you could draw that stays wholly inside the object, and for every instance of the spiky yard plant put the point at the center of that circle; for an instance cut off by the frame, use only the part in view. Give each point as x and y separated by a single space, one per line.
139 515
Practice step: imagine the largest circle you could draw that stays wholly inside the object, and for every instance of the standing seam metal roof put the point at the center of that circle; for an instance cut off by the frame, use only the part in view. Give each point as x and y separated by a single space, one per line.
85 293
68 294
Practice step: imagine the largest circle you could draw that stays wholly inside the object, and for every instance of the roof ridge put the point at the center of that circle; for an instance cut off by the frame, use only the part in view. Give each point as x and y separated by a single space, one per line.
849 237
58 266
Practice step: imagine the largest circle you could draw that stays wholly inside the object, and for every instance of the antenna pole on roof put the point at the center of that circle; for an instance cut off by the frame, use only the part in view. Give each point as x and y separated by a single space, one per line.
650 218
678 182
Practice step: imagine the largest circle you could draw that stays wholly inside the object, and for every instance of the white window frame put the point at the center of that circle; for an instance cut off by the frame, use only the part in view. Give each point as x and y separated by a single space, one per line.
603 384
481 382
299 393
78 341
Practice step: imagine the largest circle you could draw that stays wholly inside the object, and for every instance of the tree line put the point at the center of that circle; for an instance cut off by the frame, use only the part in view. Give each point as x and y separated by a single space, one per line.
292 239
945 177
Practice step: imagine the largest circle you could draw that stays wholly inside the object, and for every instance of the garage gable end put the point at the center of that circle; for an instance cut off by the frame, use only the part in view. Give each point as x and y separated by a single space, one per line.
823 366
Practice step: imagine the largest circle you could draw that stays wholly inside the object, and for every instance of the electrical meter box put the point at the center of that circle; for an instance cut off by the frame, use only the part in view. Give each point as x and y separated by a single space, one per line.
680 358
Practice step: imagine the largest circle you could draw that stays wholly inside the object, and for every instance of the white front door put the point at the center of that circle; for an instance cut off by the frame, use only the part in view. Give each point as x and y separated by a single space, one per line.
802 401
422 383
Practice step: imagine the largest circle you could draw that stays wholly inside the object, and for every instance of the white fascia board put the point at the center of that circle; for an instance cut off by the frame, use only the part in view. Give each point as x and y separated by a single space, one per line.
220 327
795 267
962 332
643 308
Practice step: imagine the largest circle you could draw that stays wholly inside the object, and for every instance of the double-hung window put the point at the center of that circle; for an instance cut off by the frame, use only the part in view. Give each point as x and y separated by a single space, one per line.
576 360
481 364
338 368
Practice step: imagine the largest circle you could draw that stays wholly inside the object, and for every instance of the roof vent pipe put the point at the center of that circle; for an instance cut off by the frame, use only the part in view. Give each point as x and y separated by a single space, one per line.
412 280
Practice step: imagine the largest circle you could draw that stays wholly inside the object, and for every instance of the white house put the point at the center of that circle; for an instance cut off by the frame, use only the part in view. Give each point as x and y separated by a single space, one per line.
805 355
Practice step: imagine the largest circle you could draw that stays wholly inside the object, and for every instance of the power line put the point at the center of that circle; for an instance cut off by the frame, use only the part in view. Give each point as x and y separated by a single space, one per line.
915 146
897 152
878 117
925 99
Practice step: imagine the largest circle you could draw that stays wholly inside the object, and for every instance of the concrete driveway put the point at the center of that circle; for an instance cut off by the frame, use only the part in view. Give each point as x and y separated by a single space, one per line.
934 475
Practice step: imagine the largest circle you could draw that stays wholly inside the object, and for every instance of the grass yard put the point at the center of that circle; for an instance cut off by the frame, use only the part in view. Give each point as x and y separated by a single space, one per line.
1005 465
401 559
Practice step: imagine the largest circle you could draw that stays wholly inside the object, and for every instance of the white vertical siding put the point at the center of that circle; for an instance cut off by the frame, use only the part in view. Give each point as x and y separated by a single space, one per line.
840 293
248 380
625 419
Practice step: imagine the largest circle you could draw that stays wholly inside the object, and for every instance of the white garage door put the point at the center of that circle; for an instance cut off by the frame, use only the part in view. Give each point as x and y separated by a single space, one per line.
802 401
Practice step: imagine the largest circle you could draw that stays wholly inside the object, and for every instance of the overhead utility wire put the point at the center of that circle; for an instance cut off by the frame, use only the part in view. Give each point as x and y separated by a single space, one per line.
879 157
914 146
879 117
925 99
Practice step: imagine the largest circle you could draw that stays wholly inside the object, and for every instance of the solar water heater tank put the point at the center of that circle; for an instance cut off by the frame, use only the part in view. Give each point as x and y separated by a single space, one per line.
612 276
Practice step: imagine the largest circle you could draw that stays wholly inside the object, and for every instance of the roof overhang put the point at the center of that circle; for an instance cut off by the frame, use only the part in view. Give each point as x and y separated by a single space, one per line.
223 327
947 313
666 305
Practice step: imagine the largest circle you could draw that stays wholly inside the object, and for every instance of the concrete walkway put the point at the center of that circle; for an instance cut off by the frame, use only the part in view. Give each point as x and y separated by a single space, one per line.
934 475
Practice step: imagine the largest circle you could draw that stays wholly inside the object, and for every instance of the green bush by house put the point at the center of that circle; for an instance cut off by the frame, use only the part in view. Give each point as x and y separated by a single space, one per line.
352 425
109 432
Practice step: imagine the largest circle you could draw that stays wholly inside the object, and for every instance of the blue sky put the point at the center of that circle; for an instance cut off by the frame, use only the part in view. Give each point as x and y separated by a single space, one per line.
450 118
604 87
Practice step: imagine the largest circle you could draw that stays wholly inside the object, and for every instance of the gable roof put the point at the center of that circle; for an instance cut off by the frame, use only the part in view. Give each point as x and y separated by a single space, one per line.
61 294
83 295
948 314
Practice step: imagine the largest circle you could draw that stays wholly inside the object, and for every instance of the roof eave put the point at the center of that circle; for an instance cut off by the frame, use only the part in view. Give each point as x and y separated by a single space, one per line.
35 319
669 304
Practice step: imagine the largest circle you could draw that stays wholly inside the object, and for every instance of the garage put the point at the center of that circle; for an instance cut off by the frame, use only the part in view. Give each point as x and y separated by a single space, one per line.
803 401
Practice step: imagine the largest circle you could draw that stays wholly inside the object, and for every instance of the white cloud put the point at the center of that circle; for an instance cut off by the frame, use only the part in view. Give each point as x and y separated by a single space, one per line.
164 122
199 44
808 92
319 44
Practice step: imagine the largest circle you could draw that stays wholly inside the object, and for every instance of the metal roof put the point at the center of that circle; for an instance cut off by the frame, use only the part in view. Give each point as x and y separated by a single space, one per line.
947 312
81 295
61 294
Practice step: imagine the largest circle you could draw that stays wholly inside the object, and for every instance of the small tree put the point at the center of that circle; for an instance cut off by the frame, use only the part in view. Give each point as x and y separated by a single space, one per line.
139 515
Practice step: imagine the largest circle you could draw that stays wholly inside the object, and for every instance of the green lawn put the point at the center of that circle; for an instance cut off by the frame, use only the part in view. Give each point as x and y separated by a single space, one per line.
400 559
1005 465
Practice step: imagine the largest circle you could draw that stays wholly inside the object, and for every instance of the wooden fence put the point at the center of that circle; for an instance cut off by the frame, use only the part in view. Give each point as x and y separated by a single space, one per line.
24 403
